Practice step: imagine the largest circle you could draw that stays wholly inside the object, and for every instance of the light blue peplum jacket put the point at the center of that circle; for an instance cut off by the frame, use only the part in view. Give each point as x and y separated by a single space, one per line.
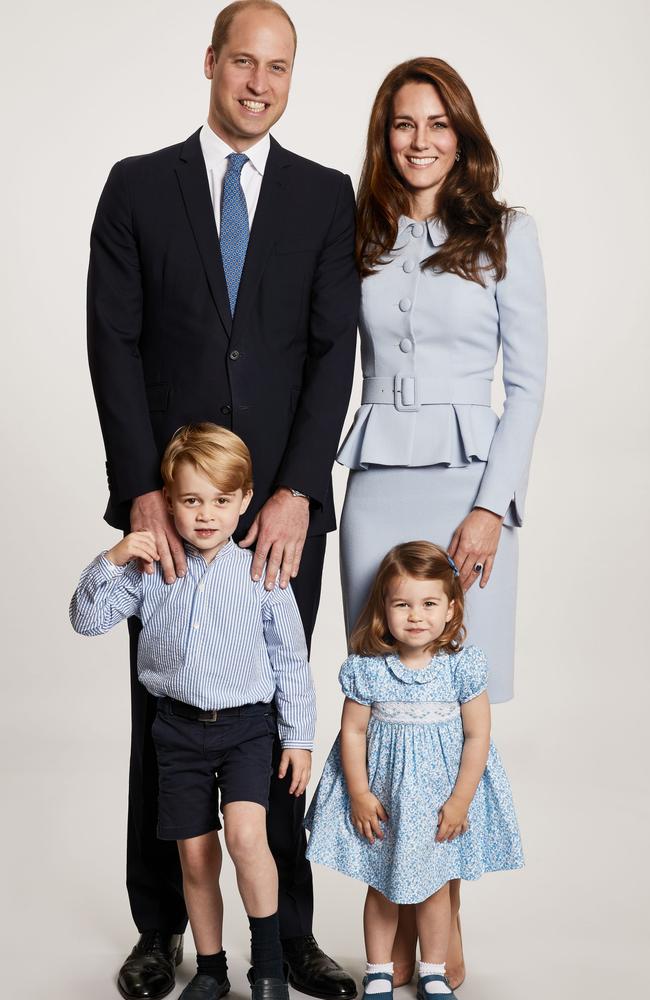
429 345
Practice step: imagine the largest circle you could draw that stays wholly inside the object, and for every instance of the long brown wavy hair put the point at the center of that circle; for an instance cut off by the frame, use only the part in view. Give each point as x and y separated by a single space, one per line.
465 202
424 561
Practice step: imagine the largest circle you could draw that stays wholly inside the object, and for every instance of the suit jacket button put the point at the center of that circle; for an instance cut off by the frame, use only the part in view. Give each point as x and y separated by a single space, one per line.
405 305
226 409
234 355
405 345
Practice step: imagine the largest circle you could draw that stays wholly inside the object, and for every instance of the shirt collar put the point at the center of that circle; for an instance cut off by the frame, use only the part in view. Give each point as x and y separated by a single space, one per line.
437 232
215 150
192 550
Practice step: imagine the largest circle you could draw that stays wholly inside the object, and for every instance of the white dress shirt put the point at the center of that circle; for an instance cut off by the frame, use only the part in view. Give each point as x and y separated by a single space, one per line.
215 151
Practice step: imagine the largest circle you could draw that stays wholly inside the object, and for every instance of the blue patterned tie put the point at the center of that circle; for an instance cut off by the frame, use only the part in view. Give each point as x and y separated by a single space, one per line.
234 226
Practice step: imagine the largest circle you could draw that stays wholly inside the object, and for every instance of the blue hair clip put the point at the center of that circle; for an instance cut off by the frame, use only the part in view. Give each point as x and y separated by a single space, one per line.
452 564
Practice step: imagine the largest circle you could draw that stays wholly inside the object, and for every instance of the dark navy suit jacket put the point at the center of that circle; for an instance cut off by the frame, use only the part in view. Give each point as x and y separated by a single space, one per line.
165 351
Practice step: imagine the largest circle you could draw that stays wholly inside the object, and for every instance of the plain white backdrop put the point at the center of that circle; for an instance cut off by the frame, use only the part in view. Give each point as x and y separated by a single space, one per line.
562 88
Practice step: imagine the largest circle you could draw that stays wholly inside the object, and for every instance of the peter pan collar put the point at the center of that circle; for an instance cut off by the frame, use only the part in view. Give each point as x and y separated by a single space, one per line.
437 232
411 676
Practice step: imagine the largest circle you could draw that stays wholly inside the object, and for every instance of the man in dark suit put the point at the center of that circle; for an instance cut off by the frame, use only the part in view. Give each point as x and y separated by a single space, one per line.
222 287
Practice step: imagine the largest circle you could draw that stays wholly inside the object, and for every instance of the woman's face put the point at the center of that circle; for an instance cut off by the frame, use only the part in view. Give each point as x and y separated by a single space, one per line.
422 142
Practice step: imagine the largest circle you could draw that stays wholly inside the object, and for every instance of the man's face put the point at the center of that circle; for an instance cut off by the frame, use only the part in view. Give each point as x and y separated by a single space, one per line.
251 78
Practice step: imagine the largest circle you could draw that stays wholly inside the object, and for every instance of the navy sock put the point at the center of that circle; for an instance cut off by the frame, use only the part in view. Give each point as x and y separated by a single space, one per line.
213 965
266 950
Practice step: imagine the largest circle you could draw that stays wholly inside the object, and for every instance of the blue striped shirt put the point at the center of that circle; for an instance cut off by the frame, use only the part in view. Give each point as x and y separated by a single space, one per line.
213 639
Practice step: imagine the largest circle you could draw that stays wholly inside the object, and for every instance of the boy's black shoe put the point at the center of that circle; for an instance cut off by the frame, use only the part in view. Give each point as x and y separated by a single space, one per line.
149 972
313 972
205 988
269 989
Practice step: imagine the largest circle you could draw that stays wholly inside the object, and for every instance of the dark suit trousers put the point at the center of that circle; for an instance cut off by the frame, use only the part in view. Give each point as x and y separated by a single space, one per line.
153 872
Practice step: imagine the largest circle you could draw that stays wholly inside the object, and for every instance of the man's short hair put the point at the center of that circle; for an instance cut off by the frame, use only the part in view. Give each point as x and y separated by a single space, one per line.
226 16
216 452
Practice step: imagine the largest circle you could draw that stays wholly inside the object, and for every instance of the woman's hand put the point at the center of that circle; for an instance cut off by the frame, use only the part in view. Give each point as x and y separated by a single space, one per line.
452 820
476 540
367 815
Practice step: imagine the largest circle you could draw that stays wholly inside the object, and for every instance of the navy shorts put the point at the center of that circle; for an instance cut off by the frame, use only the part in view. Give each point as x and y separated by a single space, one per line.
202 763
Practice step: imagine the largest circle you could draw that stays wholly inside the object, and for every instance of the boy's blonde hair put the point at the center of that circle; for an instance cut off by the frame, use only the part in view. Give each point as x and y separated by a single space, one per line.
218 453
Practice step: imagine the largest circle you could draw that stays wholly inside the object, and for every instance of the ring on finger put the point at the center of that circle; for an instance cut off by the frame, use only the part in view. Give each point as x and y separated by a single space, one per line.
478 567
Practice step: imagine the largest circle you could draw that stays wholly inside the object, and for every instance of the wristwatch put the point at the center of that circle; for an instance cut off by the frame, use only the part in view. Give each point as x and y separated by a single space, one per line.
297 493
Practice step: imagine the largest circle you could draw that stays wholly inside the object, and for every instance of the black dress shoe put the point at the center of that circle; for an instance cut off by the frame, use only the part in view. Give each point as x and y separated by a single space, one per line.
205 988
313 972
267 988
149 972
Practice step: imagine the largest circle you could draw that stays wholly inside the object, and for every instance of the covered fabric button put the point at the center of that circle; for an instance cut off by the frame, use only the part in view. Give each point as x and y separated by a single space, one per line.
418 229
408 266
405 345
405 305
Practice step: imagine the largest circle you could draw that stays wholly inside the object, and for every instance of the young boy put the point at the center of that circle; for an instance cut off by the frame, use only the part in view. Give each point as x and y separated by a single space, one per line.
217 649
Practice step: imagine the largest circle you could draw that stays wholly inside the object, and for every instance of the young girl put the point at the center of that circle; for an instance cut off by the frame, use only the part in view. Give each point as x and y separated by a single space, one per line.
413 793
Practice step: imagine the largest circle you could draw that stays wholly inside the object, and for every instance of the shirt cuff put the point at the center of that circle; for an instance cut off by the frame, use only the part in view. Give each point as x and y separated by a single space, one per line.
107 569
296 745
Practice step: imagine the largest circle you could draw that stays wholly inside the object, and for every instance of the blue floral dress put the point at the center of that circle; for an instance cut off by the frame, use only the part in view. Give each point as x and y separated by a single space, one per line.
415 742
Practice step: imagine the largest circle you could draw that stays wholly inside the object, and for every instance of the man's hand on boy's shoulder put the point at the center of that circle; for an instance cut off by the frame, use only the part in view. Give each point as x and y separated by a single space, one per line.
300 763
279 531
149 513
138 545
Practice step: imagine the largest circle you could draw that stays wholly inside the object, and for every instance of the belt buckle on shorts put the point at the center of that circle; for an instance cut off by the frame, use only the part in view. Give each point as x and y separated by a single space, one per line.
211 715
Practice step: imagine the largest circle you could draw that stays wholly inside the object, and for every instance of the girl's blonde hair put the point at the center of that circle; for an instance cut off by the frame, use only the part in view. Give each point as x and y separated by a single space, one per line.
424 561
218 453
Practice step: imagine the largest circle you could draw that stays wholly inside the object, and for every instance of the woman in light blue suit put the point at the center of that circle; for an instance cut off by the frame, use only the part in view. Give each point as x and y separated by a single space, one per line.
450 276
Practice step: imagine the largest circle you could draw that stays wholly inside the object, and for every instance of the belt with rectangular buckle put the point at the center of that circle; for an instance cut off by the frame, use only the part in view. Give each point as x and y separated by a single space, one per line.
185 711
409 393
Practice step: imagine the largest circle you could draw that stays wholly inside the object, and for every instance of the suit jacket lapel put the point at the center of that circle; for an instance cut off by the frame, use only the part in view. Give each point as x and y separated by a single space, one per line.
193 180
267 226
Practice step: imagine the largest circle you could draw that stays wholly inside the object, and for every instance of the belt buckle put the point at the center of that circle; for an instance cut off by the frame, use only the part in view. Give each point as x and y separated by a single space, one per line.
399 393
209 715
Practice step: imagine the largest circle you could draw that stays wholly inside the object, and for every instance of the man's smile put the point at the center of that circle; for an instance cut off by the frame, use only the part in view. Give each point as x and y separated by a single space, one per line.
254 107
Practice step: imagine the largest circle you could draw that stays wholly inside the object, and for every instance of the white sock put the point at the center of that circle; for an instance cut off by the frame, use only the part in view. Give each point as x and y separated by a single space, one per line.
379 985
431 969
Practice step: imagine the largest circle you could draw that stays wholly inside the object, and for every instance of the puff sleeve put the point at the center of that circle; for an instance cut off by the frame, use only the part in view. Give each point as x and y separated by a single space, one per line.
355 681
470 674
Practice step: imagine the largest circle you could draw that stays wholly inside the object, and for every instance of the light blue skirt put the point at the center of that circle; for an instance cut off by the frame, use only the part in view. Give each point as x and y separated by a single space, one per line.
385 506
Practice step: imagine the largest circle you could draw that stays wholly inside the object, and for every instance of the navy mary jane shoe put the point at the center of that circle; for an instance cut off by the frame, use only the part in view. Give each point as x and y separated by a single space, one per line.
423 995
372 976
